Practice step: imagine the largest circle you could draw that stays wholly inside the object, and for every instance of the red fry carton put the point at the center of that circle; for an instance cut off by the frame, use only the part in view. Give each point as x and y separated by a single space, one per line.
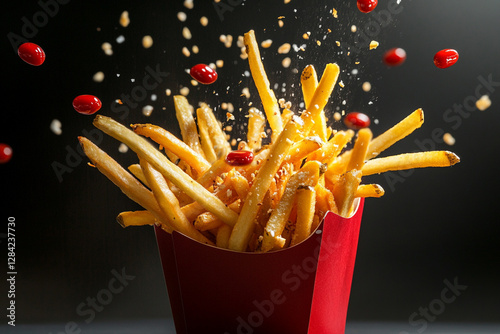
301 289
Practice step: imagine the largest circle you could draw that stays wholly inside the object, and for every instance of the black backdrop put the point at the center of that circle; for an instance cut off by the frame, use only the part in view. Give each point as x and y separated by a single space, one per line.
432 226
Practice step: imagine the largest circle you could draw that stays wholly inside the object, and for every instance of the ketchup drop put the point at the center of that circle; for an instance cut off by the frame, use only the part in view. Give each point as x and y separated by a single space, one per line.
5 153
395 57
204 74
367 6
356 120
87 104
239 158
31 53
445 58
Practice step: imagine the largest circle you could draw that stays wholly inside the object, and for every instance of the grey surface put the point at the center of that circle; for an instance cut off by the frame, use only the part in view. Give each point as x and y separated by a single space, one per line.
158 326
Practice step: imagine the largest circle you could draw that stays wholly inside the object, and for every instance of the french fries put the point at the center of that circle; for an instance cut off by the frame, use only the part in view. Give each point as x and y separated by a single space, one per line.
275 200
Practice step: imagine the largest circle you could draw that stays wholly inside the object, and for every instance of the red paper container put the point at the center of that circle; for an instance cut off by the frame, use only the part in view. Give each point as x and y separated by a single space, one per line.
302 289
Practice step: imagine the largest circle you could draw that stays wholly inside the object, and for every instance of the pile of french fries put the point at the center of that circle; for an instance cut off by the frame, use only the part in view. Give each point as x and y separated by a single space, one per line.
277 200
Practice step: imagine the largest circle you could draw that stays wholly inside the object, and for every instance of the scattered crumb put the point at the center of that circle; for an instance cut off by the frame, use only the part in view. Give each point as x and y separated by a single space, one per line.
124 19
286 1
337 116
181 16
204 21
123 148
107 48
147 41
184 91
55 126
286 62
186 33
219 63
120 39
334 13
374 45
285 48
194 83
189 4
147 110
483 103
245 92
448 139
366 86
354 28
281 23
306 35
195 49
341 84
185 51
98 76
168 92
229 117
337 42
267 43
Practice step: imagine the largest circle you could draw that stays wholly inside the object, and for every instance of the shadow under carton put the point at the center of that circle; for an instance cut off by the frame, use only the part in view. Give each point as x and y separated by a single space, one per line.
297 290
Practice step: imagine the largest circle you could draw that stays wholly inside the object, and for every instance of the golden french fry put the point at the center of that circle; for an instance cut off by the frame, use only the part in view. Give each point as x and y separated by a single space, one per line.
306 204
324 200
370 190
303 148
399 131
409 161
333 147
259 76
174 145
135 218
308 175
309 81
243 229
205 140
136 170
169 204
344 191
217 169
359 150
223 234
219 143
286 115
145 150
256 125
207 221
321 96
127 183
184 114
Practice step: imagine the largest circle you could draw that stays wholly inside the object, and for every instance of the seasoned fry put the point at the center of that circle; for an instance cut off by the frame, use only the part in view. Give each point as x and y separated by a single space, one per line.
302 149
168 169
219 143
259 76
359 150
306 203
205 140
243 229
344 191
369 190
309 81
321 96
184 114
308 175
128 184
223 234
391 136
174 145
136 170
256 125
135 218
333 147
409 161
169 204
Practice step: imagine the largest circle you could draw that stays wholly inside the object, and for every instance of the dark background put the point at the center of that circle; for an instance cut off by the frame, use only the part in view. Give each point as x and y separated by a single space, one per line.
431 226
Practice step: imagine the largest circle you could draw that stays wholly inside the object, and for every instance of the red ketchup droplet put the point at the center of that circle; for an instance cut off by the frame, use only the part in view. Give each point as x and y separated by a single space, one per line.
87 104
356 120
239 158
367 6
31 53
445 58
395 57
5 153
204 74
